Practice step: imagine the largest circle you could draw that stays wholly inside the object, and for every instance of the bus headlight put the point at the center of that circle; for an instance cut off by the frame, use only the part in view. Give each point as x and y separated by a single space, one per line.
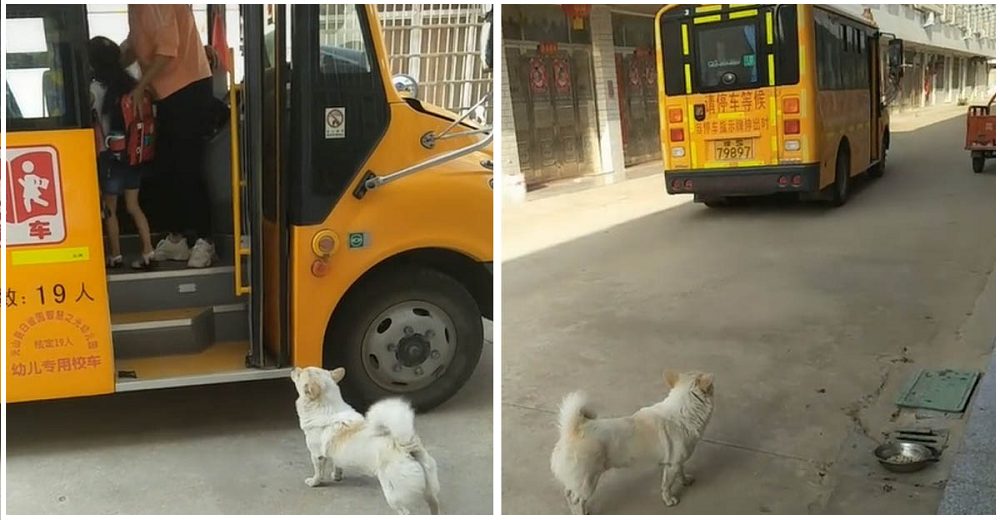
792 145
677 151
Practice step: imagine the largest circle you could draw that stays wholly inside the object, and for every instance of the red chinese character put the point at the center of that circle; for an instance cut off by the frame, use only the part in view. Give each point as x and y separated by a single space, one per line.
39 229
33 369
93 361
710 105
18 334
63 365
49 365
18 369
747 101
40 316
722 102
59 315
92 344
68 317
31 321
79 363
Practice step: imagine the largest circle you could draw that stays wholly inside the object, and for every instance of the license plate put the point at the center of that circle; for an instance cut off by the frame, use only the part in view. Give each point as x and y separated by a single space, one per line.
733 149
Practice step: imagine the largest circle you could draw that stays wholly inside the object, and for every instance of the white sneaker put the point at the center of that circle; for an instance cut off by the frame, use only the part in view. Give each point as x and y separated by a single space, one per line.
168 249
201 254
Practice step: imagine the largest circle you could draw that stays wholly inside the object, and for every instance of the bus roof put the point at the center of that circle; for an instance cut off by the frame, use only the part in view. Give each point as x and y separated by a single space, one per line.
686 10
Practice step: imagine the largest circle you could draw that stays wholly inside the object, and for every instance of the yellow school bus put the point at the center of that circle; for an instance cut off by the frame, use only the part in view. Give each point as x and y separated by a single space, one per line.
765 99
355 223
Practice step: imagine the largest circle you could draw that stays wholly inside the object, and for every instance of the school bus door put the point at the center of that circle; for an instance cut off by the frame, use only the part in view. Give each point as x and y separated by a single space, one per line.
59 332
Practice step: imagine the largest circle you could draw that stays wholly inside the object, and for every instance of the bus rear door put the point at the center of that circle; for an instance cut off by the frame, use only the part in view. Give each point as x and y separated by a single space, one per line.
719 83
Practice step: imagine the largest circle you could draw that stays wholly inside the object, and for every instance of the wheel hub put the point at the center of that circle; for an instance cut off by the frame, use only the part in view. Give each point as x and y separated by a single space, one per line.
408 346
413 350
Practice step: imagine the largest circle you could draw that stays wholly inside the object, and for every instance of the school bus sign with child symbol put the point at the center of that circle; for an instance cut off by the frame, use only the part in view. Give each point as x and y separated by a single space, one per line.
58 338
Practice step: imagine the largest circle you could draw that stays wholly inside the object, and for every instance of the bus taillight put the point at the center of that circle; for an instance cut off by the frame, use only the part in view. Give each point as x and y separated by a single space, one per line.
676 134
676 115
791 127
790 105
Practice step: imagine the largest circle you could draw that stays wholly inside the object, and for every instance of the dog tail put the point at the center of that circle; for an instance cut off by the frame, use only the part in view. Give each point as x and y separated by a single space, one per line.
573 413
393 417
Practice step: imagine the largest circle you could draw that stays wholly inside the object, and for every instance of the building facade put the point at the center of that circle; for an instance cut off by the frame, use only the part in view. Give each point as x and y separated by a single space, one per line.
578 84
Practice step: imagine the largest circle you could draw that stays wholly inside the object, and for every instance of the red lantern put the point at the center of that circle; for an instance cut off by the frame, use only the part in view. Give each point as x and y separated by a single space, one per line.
548 48
577 13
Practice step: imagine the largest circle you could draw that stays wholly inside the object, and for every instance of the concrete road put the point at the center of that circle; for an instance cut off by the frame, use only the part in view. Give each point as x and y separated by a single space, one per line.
224 449
811 318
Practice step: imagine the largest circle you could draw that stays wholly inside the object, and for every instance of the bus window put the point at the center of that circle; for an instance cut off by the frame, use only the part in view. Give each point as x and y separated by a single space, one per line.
41 80
726 56
341 41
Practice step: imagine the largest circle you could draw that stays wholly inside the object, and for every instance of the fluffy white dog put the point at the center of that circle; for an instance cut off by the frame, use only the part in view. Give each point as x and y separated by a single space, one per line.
664 433
382 444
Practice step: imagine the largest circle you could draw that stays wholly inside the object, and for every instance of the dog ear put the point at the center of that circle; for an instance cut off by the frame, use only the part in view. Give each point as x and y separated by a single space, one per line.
295 373
338 374
706 383
312 390
670 377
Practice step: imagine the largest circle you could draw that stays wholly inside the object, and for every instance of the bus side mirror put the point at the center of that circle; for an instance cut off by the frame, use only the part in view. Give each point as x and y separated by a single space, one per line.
895 56
486 41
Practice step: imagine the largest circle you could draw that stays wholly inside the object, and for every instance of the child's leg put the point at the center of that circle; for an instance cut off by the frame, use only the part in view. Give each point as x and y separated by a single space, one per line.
141 224
111 225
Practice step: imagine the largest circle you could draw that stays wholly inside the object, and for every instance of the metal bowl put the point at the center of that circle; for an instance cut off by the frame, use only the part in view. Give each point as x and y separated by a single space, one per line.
905 457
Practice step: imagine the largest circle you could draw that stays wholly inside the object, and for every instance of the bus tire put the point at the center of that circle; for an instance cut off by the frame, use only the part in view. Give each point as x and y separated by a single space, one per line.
386 359
841 189
879 169
978 162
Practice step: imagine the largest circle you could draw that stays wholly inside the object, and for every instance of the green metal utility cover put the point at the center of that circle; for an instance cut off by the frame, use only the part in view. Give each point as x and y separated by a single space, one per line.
942 390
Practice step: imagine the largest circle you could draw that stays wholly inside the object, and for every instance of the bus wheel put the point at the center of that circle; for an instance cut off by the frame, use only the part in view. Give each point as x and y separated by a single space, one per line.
879 169
411 331
978 162
842 182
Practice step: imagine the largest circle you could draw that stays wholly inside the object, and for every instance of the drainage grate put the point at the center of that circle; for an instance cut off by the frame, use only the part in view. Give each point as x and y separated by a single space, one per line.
933 439
943 390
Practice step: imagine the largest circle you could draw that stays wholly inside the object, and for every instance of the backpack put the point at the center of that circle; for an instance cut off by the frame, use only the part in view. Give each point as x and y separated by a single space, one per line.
139 143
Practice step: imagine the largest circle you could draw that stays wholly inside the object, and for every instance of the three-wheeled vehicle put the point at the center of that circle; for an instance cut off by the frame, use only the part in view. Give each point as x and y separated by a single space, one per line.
981 133
355 230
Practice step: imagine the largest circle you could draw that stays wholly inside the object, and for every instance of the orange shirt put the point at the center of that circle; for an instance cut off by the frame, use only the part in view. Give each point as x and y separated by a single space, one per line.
167 30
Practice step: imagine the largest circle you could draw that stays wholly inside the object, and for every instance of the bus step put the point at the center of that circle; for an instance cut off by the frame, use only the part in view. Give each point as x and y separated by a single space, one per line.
165 289
153 333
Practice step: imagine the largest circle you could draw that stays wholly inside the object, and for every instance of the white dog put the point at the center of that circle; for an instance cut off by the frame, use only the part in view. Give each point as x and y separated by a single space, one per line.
381 444
664 433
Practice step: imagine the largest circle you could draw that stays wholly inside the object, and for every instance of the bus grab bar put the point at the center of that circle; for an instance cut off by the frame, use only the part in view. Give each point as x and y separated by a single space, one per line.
234 158
372 181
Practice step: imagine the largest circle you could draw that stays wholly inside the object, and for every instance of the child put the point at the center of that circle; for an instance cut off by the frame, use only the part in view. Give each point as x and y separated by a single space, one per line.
111 82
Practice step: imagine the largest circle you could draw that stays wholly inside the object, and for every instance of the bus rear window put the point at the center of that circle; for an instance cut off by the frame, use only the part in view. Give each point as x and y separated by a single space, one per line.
726 56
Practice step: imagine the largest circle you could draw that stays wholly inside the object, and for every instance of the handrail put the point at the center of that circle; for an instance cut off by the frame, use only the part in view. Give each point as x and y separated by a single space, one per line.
373 181
234 172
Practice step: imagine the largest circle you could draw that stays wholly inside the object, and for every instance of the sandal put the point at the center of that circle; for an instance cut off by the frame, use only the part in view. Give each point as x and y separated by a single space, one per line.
114 261
144 262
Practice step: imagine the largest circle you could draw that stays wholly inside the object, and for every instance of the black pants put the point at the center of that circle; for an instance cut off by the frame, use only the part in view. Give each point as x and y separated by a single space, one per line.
184 119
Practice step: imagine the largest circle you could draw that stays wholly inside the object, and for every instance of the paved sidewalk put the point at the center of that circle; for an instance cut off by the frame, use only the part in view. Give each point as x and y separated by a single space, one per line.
972 486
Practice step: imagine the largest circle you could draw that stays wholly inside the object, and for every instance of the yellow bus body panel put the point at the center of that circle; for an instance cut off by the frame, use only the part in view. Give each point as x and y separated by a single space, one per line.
58 324
448 207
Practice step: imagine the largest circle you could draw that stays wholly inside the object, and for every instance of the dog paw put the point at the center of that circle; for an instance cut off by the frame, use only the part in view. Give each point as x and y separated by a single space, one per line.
687 480
670 501
338 475
313 482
